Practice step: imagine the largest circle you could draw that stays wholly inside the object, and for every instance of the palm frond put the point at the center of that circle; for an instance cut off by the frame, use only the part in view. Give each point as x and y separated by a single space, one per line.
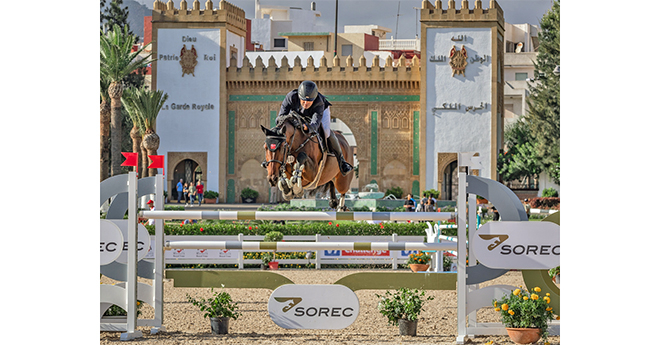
116 58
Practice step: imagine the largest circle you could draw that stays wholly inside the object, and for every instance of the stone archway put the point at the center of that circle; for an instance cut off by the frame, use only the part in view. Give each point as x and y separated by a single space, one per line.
177 164
447 165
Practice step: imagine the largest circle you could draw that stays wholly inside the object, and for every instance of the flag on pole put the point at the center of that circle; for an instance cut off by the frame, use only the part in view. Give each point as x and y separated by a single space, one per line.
131 159
157 162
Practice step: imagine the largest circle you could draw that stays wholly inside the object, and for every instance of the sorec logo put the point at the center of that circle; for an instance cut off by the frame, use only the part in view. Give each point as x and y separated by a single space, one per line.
294 301
500 240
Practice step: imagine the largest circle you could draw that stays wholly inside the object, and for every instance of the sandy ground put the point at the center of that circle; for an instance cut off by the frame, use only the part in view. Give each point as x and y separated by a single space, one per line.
185 324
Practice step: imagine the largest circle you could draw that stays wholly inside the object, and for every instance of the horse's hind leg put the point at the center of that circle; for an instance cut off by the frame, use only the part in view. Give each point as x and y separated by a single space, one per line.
330 188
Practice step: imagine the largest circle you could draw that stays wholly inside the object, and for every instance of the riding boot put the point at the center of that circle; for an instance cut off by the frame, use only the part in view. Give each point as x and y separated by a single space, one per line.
333 145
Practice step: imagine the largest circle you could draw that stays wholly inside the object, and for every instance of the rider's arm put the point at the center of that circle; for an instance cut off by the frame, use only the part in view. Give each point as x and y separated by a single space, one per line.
287 104
317 114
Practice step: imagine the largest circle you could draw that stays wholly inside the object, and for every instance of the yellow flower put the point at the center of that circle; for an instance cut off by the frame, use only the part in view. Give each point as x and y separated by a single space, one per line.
505 307
511 312
535 296
497 309
557 317
490 342
547 294
537 289
525 298
516 292
548 309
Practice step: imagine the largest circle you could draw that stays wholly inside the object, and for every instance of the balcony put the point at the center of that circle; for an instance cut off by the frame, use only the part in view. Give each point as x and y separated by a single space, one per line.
392 44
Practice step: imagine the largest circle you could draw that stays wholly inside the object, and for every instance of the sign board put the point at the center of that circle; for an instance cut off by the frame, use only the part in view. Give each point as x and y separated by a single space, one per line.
143 243
111 242
294 306
517 245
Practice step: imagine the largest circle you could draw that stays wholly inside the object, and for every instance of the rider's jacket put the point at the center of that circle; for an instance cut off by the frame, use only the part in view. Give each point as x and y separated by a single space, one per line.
313 115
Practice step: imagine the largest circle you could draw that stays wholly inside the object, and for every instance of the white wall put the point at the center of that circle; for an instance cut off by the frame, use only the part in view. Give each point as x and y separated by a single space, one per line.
190 129
457 130
239 43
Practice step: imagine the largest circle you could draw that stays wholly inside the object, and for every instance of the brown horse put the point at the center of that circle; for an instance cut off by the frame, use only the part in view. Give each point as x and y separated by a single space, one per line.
293 160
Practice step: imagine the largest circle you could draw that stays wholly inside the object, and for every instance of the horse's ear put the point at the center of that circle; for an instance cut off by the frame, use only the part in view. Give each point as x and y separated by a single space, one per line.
264 129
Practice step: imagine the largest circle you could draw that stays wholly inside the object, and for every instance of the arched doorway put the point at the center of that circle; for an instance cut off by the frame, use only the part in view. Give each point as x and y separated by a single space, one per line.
450 181
187 170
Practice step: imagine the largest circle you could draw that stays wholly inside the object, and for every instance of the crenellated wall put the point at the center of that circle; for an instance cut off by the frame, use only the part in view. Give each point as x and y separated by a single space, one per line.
383 105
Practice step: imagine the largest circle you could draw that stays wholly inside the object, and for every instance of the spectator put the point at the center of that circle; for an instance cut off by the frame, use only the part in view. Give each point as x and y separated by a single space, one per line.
409 204
527 206
179 191
200 191
496 215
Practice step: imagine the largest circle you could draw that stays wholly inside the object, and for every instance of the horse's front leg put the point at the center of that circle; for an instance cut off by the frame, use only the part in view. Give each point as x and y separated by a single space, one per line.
342 200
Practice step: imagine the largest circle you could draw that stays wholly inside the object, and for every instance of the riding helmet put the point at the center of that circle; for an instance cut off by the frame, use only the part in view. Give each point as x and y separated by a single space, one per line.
307 91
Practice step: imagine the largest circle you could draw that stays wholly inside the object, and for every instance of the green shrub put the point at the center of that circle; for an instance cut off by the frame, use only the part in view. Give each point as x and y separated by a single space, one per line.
544 203
550 193
396 191
273 236
248 192
209 194
431 192
403 304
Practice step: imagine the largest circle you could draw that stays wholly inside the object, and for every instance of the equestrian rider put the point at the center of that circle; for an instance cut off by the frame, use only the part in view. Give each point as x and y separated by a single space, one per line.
314 107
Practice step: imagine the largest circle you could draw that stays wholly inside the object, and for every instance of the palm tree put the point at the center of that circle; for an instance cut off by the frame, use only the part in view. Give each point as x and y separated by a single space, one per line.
105 129
117 61
130 102
147 104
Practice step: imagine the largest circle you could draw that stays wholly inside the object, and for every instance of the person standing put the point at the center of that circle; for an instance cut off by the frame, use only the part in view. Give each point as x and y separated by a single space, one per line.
185 193
527 206
409 204
200 191
192 191
179 191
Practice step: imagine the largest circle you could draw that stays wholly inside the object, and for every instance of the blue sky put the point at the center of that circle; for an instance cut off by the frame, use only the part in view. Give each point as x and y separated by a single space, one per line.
384 12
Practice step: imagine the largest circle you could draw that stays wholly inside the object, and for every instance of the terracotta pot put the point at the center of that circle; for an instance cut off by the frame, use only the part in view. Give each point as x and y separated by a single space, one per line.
524 335
209 201
418 267
274 265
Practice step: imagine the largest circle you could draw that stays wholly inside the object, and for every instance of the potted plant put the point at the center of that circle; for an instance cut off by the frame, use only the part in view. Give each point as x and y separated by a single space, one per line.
219 308
525 315
273 236
266 258
554 273
402 308
418 262
249 195
210 197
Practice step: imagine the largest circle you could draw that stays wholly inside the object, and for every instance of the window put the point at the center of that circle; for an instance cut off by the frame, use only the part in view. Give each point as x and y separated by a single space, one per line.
279 43
521 76
346 50
308 46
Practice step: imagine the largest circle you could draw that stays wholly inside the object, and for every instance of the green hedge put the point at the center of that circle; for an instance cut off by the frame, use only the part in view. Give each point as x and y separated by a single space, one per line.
342 228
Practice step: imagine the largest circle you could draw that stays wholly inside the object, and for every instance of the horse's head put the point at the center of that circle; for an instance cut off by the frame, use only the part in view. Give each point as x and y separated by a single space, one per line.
275 147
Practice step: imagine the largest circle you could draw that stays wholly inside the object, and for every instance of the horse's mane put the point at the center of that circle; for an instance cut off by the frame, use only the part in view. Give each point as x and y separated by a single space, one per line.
289 117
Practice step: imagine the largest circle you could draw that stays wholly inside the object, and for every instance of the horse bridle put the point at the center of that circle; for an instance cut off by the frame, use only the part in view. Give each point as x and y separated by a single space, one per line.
287 151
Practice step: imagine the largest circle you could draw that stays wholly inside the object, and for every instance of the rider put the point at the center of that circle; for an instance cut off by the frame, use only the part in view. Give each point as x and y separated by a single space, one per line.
314 107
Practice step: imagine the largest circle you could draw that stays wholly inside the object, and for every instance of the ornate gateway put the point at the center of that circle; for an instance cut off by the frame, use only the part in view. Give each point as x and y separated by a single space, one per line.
458 60
188 60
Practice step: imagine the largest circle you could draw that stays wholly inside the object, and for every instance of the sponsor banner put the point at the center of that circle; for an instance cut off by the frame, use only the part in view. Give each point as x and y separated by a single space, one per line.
294 306
114 246
111 238
517 245
201 254
365 253
336 254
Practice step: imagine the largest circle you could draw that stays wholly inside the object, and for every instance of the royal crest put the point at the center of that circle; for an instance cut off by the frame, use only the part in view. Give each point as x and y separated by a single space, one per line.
458 60
188 60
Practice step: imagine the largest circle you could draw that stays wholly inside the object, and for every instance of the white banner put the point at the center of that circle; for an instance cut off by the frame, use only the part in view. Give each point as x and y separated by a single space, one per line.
295 306
517 245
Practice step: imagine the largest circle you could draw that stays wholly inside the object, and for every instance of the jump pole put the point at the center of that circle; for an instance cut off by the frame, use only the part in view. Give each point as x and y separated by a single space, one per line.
298 215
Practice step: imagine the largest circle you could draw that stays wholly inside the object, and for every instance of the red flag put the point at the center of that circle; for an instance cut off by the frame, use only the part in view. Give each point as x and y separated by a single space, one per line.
131 159
157 162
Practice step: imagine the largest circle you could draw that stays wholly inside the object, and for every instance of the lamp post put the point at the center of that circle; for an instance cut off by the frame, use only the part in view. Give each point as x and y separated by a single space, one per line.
336 10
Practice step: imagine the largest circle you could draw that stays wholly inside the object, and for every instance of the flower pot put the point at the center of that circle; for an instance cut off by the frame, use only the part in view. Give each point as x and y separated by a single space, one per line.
555 279
220 325
209 201
524 335
248 200
418 267
264 267
482 201
274 265
407 327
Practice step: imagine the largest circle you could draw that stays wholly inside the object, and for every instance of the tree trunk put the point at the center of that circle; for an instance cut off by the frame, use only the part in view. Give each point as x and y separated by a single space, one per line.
105 140
144 172
151 142
115 91
137 141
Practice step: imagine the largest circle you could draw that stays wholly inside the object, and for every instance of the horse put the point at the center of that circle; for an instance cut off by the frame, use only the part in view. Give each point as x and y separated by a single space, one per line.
295 162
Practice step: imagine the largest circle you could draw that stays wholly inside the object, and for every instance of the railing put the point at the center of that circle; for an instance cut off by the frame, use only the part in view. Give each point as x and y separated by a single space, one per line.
392 44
